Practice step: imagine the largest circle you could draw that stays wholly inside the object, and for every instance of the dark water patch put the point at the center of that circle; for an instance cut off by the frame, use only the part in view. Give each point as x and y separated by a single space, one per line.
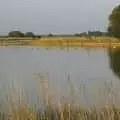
114 59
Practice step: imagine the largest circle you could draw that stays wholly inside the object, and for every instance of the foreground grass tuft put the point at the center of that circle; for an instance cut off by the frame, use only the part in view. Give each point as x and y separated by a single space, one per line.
19 109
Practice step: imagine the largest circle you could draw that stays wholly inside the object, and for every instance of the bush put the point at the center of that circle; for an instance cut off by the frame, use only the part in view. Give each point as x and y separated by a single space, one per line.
29 34
15 34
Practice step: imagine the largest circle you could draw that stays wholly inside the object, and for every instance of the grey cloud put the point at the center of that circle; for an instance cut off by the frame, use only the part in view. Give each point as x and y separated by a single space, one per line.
57 16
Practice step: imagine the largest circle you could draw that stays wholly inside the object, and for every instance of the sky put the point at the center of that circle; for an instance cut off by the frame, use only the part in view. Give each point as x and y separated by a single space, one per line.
55 16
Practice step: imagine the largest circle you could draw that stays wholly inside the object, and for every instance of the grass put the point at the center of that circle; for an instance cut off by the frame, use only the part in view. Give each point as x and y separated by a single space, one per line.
19 109
85 42
66 112
55 41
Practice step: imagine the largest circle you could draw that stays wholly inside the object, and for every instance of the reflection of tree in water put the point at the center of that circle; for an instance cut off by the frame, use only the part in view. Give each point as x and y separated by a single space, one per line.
114 56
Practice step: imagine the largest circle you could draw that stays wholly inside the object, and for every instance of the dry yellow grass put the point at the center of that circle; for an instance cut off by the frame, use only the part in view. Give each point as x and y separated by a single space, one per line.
19 109
85 42
61 42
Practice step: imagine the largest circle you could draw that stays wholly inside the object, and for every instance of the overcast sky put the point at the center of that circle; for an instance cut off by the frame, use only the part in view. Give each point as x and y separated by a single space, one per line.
55 16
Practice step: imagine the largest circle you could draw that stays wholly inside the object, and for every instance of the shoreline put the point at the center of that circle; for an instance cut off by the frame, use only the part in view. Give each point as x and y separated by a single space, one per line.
75 45
63 42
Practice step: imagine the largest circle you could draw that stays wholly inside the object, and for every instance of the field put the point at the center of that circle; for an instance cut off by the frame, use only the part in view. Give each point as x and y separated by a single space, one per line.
59 41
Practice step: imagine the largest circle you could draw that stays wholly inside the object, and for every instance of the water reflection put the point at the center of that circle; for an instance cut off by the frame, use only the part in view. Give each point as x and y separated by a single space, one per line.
114 59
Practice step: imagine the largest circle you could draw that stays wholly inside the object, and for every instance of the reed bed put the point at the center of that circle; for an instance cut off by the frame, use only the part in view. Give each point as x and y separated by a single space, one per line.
62 42
80 42
18 107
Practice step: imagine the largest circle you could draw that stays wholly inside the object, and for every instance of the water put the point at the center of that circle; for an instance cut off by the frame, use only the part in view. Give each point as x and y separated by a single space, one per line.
82 66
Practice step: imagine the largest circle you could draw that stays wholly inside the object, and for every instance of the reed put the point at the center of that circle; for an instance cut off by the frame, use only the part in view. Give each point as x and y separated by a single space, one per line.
19 109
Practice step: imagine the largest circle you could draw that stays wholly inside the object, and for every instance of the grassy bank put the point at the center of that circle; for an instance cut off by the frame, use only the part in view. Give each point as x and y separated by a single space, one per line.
85 42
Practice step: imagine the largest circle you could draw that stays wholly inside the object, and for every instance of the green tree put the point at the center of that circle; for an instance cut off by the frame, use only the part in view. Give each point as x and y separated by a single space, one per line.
81 34
95 33
114 22
15 34
50 34
29 34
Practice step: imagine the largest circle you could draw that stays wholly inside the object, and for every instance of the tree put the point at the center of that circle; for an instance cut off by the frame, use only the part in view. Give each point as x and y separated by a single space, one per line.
95 33
15 34
29 34
114 22
50 34
81 34
38 36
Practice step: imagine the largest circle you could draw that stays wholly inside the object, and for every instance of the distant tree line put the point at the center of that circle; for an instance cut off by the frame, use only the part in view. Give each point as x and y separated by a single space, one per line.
83 34
21 34
92 33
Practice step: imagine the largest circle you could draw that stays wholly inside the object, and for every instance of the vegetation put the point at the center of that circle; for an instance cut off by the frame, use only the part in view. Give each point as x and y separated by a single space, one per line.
38 36
76 41
92 33
96 33
114 22
50 35
81 34
20 34
66 112
15 34
114 57
72 112
114 30
19 109
29 34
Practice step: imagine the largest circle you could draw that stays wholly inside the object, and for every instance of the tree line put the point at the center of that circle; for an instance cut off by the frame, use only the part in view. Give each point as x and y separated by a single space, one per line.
21 34
92 33
30 34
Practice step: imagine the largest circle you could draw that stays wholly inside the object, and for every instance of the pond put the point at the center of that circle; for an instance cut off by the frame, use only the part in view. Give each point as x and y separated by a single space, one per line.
87 71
